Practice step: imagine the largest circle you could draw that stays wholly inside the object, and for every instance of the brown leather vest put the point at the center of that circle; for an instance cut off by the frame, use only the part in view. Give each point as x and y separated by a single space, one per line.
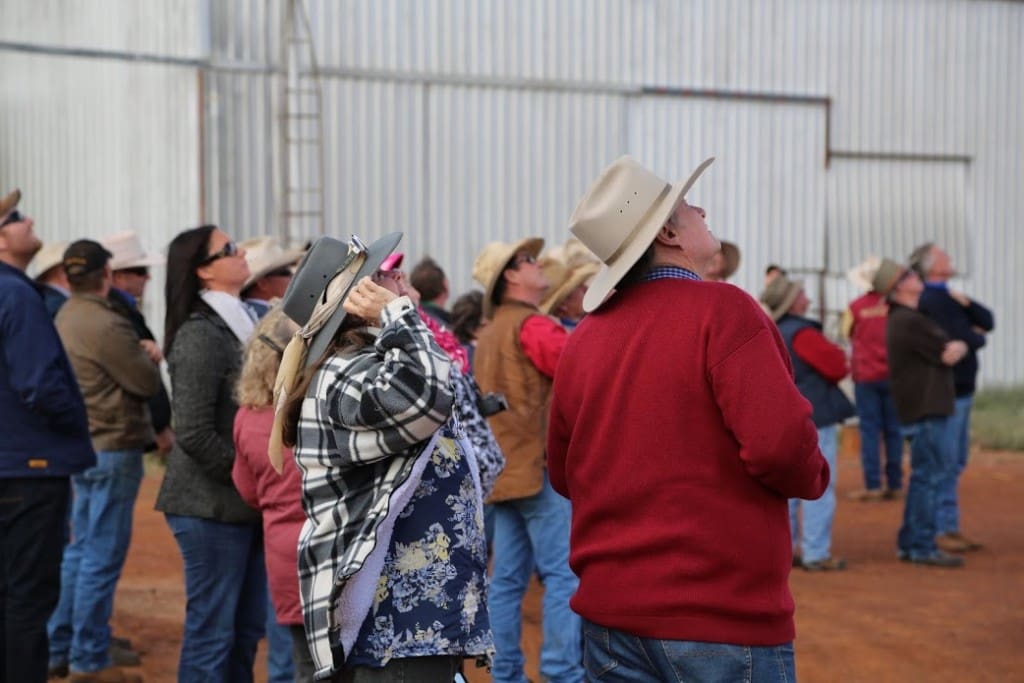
500 365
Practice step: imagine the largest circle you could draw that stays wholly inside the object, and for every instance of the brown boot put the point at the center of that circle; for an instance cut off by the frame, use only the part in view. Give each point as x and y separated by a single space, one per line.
952 543
867 495
111 674
971 545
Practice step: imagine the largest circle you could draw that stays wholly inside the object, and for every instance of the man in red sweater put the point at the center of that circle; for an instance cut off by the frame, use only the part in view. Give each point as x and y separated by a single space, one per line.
677 433
818 365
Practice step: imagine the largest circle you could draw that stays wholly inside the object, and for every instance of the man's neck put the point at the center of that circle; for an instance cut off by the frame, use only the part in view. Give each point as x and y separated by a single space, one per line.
14 262
906 300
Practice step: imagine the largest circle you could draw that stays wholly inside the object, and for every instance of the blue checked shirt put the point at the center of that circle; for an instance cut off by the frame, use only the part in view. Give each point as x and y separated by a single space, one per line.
670 272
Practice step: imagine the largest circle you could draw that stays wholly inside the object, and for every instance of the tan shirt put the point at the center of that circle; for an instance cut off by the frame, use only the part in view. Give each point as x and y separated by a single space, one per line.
113 371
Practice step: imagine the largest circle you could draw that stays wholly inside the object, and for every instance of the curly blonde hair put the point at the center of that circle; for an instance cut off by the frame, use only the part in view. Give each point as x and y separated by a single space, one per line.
255 388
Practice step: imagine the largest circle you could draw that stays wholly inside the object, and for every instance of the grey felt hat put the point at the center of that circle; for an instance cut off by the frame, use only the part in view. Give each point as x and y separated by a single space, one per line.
326 259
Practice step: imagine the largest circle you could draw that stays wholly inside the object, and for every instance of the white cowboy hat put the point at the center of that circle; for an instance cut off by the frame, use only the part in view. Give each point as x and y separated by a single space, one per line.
862 274
491 262
50 256
779 295
265 255
619 217
128 252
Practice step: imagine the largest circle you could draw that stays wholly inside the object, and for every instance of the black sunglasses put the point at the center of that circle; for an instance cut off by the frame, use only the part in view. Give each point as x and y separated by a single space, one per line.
229 249
13 217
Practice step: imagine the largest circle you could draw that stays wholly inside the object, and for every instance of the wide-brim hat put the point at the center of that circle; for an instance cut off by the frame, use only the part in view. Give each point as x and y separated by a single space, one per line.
779 295
619 217
326 260
730 259
573 279
888 274
48 257
128 252
265 255
491 262
8 203
860 275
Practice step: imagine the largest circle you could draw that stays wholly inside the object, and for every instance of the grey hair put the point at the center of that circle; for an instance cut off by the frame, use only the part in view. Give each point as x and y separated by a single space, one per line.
922 259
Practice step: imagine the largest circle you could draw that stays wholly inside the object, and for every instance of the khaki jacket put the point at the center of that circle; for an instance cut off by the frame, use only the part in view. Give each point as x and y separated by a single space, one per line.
114 373
501 366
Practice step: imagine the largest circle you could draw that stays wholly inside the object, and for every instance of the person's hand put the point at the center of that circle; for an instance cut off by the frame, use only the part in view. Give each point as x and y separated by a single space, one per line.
164 441
405 288
960 298
367 299
152 350
954 351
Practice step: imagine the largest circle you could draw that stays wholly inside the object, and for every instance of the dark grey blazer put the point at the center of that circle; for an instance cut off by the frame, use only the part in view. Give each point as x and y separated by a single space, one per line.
203 363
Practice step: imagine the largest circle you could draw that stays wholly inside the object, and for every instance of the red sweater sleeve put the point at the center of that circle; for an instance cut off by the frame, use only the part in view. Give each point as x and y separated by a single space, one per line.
543 341
813 348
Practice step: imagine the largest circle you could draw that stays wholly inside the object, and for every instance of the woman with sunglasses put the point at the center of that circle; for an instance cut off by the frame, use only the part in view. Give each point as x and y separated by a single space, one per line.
219 536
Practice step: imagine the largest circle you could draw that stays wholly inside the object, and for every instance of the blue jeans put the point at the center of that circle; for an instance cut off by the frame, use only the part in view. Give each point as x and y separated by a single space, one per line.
101 529
279 648
620 657
930 451
878 420
33 520
947 508
812 532
225 588
534 533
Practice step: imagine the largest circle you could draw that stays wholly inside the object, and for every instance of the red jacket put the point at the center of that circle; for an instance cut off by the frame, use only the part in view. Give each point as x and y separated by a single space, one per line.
279 499
868 362
678 434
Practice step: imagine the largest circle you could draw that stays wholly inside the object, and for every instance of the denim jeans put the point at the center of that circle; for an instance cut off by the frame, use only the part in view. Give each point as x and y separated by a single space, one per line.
947 508
812 531
33 519
225 588
101 532
279 648
930 451
878 420
619 657
533 533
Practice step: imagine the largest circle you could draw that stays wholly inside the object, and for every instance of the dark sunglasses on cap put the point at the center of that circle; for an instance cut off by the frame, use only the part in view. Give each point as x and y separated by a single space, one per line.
229 249
13 217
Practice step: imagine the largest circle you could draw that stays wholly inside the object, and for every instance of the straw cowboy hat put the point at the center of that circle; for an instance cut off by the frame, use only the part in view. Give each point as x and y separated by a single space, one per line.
779 295
265 255
491 262
861 274
619 217
8 203
50 256
563 284
887 276
730 259
576 254
128 252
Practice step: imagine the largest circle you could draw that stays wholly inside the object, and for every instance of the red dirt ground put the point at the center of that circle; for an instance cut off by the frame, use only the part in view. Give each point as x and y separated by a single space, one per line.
881 620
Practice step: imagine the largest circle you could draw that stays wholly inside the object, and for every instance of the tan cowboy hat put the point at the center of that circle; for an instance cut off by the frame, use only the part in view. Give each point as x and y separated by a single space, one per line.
779 295
576 254
265 255
491 262
887 276
619 217
8 203
50 256
860 275
563 287
128 252
730 258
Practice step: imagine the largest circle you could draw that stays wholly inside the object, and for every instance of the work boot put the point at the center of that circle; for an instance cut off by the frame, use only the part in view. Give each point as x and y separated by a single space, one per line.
123 656
112 674
867 495
952 543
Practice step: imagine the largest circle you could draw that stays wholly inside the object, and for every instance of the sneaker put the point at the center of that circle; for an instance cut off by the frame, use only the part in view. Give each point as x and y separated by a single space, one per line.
123 643
111 674
937 559
952 543
57 670
123 656
828 564
866 495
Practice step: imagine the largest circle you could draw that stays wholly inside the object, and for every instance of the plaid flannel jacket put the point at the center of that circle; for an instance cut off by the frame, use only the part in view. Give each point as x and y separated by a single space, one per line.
365 421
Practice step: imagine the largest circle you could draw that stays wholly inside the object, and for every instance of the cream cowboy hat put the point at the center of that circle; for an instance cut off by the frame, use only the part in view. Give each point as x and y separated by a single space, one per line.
265 255
50 256
491 262
861 274
779 295
562 286
128 252
730 259
887 276
619 217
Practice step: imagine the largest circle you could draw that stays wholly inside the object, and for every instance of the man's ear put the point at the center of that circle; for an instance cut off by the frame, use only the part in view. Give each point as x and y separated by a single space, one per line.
667 234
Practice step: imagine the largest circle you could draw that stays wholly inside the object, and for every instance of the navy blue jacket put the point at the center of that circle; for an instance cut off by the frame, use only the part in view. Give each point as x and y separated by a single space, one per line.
44 431
828 401
958 322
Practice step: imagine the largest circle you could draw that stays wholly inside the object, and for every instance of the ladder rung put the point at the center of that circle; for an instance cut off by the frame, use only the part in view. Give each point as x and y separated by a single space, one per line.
309 190
302 91
303 213
302 116
302 141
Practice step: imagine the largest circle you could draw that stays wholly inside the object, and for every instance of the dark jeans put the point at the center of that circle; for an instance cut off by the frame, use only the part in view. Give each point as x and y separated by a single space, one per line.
406 670
301 658
930 455
33 521
878 422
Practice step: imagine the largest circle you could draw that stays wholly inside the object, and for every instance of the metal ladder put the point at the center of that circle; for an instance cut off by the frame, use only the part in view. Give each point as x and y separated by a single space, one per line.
301 130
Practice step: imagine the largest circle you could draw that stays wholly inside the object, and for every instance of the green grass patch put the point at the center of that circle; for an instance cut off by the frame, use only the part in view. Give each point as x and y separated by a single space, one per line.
997 420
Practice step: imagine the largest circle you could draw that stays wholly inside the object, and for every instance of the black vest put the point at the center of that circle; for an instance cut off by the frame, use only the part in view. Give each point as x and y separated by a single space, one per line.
828 401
